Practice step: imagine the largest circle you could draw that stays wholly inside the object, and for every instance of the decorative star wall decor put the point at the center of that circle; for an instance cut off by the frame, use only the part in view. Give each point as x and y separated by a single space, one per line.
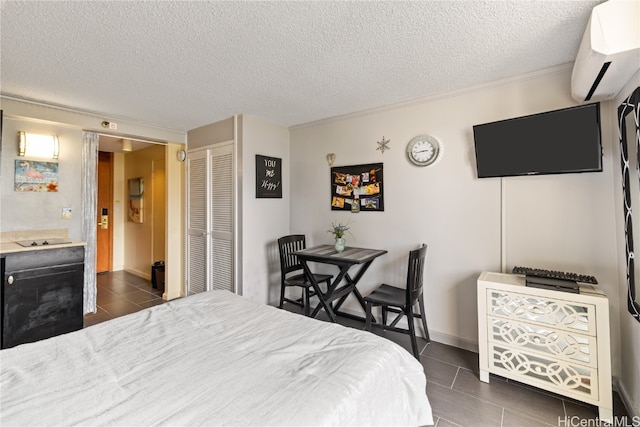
383 145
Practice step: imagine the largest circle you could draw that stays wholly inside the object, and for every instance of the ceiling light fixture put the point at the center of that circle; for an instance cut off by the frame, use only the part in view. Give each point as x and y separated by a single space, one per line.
126 145
34 145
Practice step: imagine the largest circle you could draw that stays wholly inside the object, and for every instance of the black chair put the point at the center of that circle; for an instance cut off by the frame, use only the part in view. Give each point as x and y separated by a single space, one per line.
402 301
292 272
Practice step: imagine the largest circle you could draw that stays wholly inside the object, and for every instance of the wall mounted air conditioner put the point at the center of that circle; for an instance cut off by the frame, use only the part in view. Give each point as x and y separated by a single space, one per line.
609 53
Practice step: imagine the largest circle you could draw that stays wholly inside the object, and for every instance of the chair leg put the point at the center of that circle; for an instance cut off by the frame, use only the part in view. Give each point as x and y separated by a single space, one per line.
306 302
412 333
368 320
423 315
281 296
384 315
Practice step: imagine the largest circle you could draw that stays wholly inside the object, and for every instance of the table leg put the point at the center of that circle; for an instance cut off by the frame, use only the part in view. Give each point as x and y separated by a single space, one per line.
319 294
354 283
330 290
354 289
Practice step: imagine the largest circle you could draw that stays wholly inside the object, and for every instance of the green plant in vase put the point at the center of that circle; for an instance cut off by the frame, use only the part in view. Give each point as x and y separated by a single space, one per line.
338 231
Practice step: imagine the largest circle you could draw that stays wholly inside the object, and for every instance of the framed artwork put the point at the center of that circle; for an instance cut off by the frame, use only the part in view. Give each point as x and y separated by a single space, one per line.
31 176
357 188
268 177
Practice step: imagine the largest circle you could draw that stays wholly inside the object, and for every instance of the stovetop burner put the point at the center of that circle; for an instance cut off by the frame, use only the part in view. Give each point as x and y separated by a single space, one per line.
43 242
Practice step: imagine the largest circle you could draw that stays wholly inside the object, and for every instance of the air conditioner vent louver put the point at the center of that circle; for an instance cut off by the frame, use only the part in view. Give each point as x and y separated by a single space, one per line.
603 70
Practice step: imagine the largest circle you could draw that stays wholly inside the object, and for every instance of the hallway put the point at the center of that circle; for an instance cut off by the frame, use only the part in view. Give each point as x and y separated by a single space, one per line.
121 293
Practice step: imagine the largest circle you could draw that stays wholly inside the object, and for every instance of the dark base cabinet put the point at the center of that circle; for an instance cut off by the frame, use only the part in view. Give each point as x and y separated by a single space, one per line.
42 294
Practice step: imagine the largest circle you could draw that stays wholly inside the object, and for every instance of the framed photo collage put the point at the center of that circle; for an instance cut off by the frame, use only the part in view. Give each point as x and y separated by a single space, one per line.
357 188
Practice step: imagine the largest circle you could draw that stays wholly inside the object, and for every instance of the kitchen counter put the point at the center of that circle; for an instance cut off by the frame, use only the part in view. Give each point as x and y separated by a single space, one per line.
9 239
13 247
41 293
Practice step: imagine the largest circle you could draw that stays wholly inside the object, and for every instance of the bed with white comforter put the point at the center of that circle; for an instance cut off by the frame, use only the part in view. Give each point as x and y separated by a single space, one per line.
212 359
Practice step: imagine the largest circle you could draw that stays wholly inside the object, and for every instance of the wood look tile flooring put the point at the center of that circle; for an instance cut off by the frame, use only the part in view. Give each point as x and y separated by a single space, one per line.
456 394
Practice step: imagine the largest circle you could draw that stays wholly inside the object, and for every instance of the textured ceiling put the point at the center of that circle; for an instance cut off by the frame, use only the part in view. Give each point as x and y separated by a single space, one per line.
184 64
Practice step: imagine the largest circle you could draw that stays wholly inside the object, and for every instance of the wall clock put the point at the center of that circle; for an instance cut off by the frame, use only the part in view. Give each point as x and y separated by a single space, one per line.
423 150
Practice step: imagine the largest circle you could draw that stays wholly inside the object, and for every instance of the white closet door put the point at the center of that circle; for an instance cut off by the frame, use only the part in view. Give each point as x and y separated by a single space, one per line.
221 217
197 219
210 219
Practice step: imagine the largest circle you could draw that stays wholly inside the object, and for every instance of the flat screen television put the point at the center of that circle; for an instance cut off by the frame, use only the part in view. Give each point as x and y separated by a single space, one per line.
560 141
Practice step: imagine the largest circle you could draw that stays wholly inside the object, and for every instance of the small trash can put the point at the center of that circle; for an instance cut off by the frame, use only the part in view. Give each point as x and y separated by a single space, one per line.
157 275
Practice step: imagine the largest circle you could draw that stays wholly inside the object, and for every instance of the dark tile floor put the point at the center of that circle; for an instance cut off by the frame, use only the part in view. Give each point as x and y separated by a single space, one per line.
457 396
121 293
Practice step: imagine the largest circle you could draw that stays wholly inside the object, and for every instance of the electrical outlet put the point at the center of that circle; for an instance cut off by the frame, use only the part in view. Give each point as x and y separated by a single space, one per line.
66 213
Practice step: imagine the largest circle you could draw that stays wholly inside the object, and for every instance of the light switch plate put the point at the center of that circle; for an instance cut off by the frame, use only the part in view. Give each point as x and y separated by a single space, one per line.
66 213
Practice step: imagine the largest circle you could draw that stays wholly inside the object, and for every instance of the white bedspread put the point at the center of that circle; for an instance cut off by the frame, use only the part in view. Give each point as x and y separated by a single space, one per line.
212 359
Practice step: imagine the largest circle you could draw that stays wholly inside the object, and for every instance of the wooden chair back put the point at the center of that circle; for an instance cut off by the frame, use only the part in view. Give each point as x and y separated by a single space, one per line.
287 245
415 274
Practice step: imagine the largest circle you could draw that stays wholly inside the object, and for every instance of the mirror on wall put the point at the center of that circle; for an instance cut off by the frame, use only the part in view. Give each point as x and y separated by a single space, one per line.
136 197
629 131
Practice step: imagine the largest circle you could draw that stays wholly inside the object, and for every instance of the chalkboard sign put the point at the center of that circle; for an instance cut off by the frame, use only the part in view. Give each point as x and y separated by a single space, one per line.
268 177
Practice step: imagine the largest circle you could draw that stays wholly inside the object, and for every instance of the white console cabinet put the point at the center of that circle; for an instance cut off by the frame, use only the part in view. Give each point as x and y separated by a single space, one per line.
557 341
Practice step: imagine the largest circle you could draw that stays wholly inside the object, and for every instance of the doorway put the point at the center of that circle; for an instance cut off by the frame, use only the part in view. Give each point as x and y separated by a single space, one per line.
123 244
174 211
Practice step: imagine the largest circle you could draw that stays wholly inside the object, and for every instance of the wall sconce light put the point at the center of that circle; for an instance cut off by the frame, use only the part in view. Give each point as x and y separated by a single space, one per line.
33 145
330 158
126 145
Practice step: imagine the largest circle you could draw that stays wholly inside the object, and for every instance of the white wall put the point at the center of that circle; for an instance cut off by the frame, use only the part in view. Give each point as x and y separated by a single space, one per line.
561 222
138 250
629 380
37 211
263 220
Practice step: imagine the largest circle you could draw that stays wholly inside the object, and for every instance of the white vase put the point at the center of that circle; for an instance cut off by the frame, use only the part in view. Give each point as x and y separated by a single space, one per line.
339 244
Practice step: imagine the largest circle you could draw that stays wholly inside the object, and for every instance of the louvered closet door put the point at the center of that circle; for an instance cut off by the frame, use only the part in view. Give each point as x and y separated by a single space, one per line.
210 217
197 217
221 217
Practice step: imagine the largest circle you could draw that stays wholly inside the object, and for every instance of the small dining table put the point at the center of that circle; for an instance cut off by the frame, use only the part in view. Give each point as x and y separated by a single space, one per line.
344 260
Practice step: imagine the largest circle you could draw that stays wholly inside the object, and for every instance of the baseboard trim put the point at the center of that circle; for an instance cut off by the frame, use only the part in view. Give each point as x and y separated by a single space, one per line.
144 275
634 413
454 341
440 337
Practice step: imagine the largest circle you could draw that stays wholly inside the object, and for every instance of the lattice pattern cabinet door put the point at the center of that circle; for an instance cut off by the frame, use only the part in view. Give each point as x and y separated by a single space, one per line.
553 340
